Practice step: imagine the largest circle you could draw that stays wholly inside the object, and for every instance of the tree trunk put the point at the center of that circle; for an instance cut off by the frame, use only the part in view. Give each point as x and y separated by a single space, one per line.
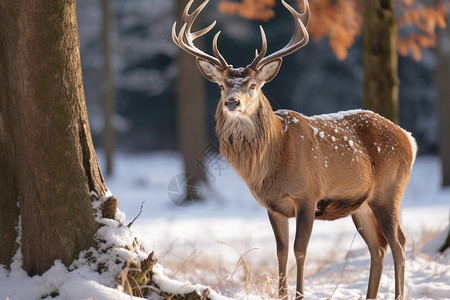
51 167
9 212
443 98
380 58
191 110
108 136
443 105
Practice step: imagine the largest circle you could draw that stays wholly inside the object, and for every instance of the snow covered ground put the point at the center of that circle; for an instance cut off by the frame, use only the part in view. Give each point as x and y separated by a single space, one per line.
203 243
227 242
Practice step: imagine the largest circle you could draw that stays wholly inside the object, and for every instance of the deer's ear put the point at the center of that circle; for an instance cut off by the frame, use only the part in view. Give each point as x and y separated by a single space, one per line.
209 70
268 71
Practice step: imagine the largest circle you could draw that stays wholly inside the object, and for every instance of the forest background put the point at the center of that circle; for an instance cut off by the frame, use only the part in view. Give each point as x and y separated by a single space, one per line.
326 76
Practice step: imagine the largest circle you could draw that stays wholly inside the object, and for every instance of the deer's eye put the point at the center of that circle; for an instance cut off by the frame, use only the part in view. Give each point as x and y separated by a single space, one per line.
253 87
221 87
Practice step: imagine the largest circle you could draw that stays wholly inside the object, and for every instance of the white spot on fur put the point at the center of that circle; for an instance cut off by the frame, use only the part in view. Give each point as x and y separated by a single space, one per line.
314 129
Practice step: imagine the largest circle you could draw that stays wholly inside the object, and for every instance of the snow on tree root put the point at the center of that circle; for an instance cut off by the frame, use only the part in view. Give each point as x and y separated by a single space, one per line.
120 256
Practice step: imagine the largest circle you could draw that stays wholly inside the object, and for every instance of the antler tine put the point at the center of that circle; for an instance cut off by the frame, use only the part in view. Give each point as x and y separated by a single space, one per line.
259 57
203 31
190 18
217 53
185 38
304 20
298 40
304 17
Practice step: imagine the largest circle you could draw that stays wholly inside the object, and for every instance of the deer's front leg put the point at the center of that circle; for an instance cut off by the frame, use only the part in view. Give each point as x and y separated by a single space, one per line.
280 226
305 219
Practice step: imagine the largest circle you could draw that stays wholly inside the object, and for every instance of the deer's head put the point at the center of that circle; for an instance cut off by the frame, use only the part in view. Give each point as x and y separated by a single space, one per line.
240 87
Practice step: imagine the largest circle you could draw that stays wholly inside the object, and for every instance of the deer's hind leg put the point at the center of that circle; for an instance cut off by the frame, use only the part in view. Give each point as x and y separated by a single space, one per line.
367 225
387 212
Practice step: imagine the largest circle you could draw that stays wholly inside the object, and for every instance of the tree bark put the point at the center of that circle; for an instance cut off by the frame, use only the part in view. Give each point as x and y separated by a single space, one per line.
380 58
51 165
9 212
191 111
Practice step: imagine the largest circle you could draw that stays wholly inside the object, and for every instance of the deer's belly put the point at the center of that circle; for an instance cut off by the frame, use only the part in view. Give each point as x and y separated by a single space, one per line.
285 206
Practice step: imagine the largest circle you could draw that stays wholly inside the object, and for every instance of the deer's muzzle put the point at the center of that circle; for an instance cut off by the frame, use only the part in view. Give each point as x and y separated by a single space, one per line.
232 104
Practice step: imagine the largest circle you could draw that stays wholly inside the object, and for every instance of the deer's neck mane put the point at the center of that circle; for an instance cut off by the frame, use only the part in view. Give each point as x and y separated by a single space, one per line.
251 144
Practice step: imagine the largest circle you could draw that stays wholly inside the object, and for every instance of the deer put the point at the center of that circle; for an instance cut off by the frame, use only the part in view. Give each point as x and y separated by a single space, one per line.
351 163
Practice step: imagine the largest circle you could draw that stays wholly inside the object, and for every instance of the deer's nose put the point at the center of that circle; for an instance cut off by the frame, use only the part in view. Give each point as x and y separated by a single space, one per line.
232 104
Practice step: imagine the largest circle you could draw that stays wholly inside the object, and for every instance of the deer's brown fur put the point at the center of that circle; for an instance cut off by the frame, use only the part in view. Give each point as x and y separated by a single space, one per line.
341 163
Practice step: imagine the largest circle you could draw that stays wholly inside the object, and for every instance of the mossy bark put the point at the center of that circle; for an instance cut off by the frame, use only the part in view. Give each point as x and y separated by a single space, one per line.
380 58
51 166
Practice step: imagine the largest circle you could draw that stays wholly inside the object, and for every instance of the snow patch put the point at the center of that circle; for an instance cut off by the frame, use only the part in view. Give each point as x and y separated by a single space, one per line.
315 130
175 287
339 115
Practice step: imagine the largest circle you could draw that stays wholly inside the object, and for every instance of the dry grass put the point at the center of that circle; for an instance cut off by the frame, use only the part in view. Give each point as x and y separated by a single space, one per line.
251 274
245 276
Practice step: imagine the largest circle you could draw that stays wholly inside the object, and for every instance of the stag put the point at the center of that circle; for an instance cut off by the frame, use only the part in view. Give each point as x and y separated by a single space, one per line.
322 167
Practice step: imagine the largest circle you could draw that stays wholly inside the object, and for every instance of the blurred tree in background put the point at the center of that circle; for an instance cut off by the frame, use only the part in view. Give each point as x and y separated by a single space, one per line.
191 115
443 97
380 58
107 87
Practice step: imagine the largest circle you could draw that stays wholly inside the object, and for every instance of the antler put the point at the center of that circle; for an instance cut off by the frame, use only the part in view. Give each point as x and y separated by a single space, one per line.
298 40
185 38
